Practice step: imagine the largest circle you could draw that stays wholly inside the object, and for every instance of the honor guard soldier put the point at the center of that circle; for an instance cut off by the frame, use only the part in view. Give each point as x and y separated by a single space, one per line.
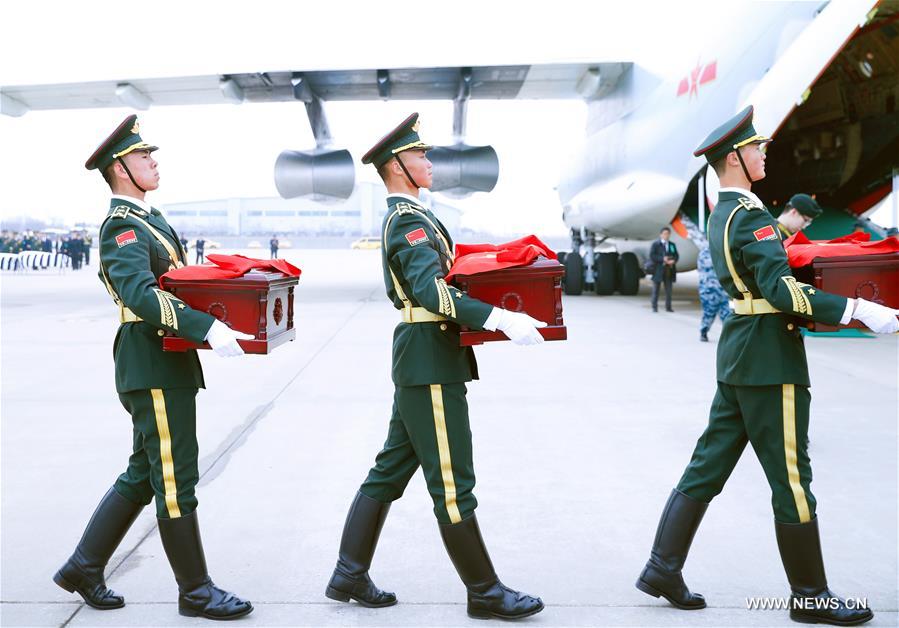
798 214
763 382
429 426
157 388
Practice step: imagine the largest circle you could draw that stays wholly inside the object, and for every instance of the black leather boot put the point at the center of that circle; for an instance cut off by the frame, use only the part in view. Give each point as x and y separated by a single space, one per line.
662 574
197 594
83 572
357 547
487 596
811 601
703 335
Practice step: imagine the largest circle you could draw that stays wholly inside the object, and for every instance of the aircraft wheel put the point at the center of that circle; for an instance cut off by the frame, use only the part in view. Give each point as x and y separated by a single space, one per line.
574 274
606 273
628 274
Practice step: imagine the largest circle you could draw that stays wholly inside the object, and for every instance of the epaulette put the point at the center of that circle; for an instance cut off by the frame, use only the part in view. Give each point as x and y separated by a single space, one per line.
747 203
407 208
120 211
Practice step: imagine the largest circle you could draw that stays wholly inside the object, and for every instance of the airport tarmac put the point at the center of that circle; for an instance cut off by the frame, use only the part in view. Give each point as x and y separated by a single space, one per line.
577 446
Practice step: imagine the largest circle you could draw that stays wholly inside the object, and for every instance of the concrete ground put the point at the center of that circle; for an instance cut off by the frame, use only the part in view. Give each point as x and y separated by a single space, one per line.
577 445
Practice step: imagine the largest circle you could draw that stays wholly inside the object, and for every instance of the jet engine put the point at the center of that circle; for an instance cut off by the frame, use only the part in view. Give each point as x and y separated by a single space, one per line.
460 169
321 174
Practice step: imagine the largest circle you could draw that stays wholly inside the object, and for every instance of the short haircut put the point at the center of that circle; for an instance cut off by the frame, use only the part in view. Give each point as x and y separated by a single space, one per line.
720 166
384 170
109 174
663 229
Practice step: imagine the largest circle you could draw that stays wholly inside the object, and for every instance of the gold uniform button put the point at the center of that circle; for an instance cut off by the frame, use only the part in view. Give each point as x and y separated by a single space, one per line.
791 326
160 332
442 326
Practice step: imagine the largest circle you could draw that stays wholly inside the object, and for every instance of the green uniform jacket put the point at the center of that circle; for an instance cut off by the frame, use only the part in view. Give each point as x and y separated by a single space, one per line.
763 349
133 259
419 251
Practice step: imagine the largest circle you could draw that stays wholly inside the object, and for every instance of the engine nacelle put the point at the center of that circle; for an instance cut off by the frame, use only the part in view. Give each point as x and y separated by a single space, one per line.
460 169
321 174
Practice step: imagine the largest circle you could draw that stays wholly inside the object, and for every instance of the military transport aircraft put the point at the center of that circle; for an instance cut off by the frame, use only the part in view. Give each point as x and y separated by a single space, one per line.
823 78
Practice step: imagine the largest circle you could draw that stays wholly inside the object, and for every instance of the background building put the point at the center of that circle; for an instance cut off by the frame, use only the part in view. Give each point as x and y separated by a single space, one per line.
361 214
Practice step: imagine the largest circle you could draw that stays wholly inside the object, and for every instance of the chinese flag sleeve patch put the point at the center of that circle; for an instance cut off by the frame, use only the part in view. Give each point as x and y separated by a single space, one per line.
765 233
127 237
416 237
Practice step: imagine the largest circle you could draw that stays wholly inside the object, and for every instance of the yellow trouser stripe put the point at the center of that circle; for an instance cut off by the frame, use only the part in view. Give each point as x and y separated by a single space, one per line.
789 417
165 452
443 449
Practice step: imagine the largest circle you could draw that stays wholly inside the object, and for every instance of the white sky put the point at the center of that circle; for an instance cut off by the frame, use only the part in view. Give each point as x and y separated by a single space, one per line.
229 150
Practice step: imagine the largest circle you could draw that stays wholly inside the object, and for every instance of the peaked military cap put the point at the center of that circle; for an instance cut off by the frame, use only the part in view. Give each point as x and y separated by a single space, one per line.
403 137
736 132
805 205
125 139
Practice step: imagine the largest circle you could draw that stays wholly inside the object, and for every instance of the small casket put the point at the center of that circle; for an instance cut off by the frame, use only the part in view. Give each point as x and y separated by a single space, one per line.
871 277
535 289
258 303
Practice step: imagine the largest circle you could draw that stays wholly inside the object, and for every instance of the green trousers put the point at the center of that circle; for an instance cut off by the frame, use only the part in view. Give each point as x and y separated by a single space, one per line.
429 428
775 420
163 462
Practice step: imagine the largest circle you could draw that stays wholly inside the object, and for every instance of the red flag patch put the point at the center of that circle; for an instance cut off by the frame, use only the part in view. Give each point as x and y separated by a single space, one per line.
765 233
416 237
128 237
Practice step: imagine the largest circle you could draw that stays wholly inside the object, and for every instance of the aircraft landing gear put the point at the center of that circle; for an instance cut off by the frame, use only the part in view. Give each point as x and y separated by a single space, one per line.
629 274
604 273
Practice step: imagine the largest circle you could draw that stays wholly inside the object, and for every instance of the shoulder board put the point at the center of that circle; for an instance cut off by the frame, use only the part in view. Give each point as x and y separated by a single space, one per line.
123 211
749 204
120 211
407 208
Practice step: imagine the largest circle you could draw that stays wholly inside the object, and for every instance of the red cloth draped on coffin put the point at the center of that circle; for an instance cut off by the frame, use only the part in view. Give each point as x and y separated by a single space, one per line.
472 259
228 267
801 251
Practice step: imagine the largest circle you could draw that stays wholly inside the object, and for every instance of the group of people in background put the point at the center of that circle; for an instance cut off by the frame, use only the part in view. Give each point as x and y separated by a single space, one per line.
76 245
798 214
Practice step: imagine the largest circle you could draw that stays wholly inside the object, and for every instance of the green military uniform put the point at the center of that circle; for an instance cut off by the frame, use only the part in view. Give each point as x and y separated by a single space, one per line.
156 387
762 372
429 425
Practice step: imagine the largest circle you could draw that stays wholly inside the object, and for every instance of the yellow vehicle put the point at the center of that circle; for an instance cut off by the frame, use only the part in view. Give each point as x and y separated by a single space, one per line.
367 242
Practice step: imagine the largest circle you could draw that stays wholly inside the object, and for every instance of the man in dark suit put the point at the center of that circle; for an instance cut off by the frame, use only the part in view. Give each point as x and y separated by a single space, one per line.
663 254
201 250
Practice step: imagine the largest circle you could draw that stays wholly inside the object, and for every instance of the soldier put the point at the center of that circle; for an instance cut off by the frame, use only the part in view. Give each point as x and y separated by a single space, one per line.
763 383
798 214
429 426
157 388
714 300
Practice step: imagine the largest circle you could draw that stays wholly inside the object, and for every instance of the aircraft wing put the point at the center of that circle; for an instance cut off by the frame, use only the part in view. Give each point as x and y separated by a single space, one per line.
495 82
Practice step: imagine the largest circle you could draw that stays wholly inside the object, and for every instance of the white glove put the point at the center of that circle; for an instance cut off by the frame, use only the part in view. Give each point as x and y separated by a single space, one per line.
878 318
519 327
223 340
